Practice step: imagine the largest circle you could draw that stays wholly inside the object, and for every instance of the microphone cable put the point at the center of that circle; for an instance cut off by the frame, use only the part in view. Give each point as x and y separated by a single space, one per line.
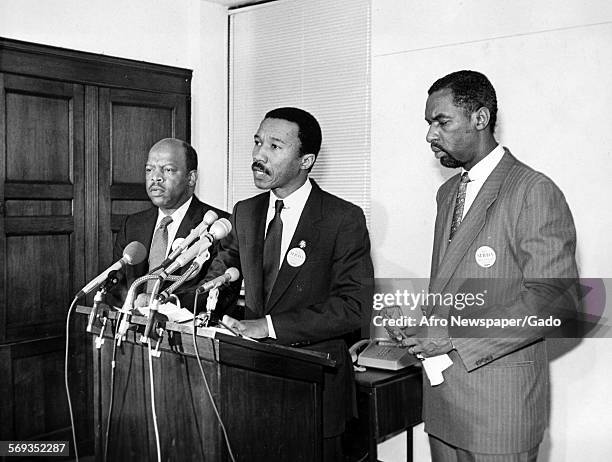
76 451
112 394
152 382
210 396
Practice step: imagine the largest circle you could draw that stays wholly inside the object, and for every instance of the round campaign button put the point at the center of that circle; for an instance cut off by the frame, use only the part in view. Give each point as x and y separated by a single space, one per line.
296 257
485 256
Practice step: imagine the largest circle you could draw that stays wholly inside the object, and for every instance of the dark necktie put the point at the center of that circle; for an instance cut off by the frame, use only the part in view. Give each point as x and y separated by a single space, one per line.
272 247
459 204
159 248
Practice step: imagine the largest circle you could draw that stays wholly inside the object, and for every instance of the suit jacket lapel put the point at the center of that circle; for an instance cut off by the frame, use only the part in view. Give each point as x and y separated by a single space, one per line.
305 231
191 219
471 225
443 224
253 260
144 235
148 227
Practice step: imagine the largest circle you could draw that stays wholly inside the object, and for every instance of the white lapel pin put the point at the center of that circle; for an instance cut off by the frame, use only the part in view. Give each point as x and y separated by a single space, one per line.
296 257
485 256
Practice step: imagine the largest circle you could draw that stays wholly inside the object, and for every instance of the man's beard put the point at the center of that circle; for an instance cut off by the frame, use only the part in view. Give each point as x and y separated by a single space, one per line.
449 161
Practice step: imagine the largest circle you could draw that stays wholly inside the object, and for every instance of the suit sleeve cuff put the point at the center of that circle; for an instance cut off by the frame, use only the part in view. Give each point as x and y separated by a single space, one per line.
271 331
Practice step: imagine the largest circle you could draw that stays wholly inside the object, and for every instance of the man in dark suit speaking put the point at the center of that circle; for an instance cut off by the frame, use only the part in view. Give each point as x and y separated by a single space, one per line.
171 175
305 258
503 232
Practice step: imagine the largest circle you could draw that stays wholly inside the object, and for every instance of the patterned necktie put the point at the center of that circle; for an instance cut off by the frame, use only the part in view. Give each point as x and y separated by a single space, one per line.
159 248
272 247
459 204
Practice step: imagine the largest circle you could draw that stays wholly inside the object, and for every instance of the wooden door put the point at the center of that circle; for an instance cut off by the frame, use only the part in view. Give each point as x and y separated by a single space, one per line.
75 129
42 254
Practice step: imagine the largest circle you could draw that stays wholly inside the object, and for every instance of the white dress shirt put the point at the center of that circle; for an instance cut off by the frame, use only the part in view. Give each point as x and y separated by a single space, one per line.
479 174
293 206
177 218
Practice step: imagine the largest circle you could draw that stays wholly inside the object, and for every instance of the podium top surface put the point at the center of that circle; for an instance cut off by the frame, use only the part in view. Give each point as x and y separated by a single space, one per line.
232 342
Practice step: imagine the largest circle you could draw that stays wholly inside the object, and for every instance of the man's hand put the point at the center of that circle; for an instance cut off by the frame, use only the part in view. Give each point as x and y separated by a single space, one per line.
427 347
254 328
142 301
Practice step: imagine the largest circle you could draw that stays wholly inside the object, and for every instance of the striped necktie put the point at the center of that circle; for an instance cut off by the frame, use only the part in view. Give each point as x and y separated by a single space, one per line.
159 248
272 247
459 204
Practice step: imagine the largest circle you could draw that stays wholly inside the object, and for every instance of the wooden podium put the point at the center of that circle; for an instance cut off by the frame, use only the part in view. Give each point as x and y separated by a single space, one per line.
268 396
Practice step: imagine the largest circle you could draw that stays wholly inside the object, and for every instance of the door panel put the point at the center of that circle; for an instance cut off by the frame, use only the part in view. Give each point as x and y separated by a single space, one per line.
42 253
41 238
46 121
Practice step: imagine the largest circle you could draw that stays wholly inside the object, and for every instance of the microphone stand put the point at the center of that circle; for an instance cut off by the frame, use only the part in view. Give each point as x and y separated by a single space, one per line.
111 280
191 272
153 308
211 304
128 305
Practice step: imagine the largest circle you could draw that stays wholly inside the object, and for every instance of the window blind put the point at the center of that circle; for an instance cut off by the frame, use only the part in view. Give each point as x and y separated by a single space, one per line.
311 54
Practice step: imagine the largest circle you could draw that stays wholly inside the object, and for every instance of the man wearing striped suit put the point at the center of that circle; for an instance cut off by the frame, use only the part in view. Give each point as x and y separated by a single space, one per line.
503 232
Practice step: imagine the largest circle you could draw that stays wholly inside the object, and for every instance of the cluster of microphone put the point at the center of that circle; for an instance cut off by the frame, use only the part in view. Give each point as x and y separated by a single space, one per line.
192 250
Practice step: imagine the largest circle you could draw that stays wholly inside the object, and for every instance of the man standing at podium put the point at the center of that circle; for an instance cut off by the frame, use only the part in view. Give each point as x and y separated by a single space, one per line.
305 258
171 175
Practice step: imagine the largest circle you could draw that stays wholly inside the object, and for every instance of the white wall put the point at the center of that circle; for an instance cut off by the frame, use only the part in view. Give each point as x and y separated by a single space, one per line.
551 65
185 33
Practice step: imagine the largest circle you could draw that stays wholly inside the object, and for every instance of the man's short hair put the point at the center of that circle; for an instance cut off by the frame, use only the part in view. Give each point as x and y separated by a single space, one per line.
471 91
191 156
309 131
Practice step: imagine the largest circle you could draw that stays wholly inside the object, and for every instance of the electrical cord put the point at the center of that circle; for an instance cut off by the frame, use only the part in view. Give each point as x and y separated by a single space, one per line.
76 451
111 398
210 396
151 381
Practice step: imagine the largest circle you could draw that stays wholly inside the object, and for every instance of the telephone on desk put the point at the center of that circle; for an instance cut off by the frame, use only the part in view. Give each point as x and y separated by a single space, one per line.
382 354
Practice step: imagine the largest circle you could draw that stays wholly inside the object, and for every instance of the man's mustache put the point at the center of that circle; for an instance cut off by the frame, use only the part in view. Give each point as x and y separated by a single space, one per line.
256 165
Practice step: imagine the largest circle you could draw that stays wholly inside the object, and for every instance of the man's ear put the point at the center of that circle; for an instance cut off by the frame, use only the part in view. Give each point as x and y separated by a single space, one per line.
482 117
193 178
307 161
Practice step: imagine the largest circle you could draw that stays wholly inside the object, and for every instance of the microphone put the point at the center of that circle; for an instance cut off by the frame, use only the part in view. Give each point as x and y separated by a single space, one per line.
182 259
209 218
230 275
218 230
133 254
178 241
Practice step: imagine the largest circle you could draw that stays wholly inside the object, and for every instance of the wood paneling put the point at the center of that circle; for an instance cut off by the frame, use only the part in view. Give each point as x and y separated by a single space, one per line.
36 208
88 68
37 280
34 382
240 379
46 121
74 132
44 244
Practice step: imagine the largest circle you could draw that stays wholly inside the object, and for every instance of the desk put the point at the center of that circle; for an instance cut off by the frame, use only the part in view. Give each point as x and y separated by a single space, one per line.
389 403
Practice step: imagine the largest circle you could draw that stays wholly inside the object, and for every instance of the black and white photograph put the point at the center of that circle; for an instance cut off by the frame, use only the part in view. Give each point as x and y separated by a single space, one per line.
305 230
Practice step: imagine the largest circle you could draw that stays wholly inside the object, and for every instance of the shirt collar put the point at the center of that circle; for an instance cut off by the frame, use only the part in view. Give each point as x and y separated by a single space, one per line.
482 170
296 200
177 215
